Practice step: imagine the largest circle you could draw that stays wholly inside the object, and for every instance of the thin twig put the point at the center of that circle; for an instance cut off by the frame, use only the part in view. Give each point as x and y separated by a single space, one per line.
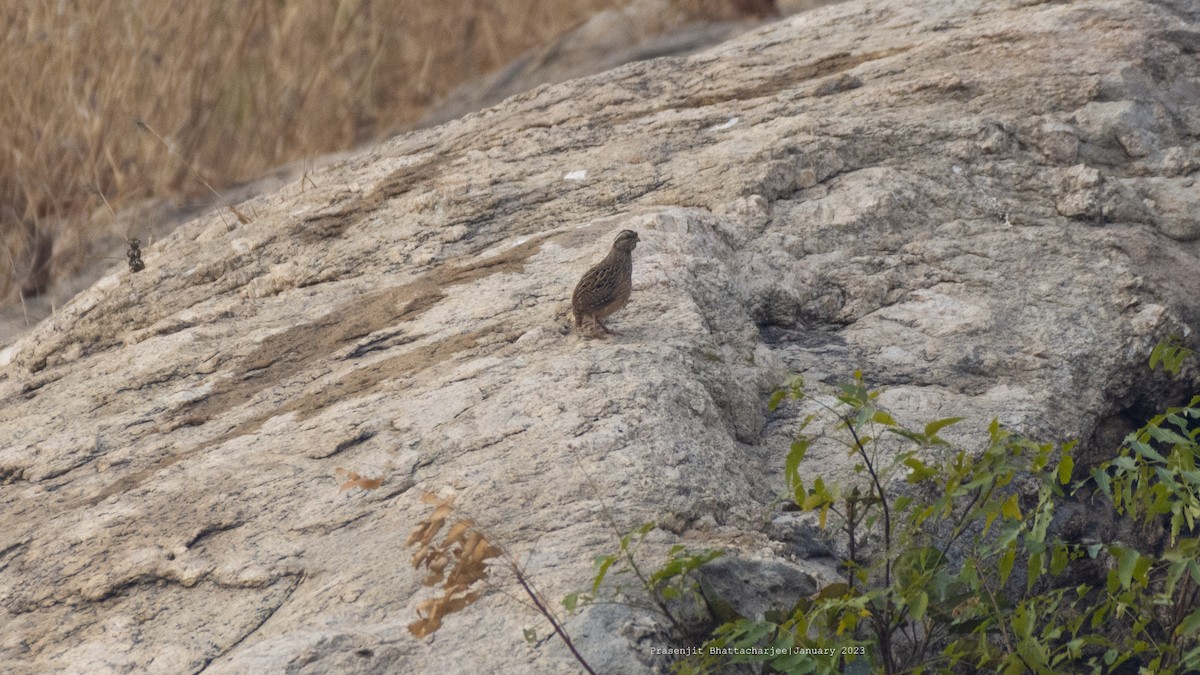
240 216
550 617
887 513
654 597
20 293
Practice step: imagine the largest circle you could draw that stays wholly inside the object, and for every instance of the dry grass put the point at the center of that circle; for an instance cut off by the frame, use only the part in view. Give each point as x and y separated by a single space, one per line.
234 87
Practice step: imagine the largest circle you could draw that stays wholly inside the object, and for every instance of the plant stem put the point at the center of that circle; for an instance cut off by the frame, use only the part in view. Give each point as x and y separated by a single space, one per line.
550 617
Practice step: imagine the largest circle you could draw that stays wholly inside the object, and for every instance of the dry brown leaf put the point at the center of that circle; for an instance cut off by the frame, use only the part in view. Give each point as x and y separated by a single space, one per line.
469 543
457 530
438 564
424 626
354 479
430 498
454 604
465 573
485 550
416 534
431 530
422 555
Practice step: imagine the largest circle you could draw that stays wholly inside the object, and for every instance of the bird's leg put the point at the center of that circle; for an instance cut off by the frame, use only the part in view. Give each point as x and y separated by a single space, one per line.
594 328
606 329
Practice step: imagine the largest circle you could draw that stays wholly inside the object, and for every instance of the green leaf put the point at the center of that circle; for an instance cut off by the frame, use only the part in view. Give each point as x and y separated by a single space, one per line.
833 591
918 470
775 400
671 569
1126 560
1059 558
1188 627
1156 354
1022 622
1011 509
604 562
1166 436
919 603
1065 466
1141 570
882 417
1179 422
571 602
991 517
1006 563
910 435
1035 570
1194 570
791 464
935 426
1125 463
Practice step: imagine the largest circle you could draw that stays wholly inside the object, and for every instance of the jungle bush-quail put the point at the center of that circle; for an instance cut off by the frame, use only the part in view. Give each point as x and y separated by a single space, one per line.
605 287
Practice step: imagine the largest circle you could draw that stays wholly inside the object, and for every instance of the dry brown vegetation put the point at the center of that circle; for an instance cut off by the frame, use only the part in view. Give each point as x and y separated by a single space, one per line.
355 480
458 569
234 88
463 549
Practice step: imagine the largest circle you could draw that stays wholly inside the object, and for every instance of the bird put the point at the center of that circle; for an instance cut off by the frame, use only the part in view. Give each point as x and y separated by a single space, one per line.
134 254
606 286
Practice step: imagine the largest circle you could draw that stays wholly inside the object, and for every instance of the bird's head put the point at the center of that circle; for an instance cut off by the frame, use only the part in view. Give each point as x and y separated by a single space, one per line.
626 240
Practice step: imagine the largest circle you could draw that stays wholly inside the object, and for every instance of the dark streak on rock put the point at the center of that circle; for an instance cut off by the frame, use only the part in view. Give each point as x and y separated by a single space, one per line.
362 437
210 531
294 582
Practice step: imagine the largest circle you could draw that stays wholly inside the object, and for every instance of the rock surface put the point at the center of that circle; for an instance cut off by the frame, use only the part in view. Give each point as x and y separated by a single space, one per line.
637 31
988 206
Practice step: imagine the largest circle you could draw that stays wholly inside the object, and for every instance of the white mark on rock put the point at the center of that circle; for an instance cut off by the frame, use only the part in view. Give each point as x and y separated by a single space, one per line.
576 175
725 125
956 168
191 394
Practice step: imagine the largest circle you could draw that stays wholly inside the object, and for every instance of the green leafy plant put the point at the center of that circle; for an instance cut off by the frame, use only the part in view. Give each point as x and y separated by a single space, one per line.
950 565
1154 478
1170 354
670 581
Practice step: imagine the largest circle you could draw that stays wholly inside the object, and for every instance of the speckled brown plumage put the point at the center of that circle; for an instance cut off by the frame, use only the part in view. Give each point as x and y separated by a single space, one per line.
605 287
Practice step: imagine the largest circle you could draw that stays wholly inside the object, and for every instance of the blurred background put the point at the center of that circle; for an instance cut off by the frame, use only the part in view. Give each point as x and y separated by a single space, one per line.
144 103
